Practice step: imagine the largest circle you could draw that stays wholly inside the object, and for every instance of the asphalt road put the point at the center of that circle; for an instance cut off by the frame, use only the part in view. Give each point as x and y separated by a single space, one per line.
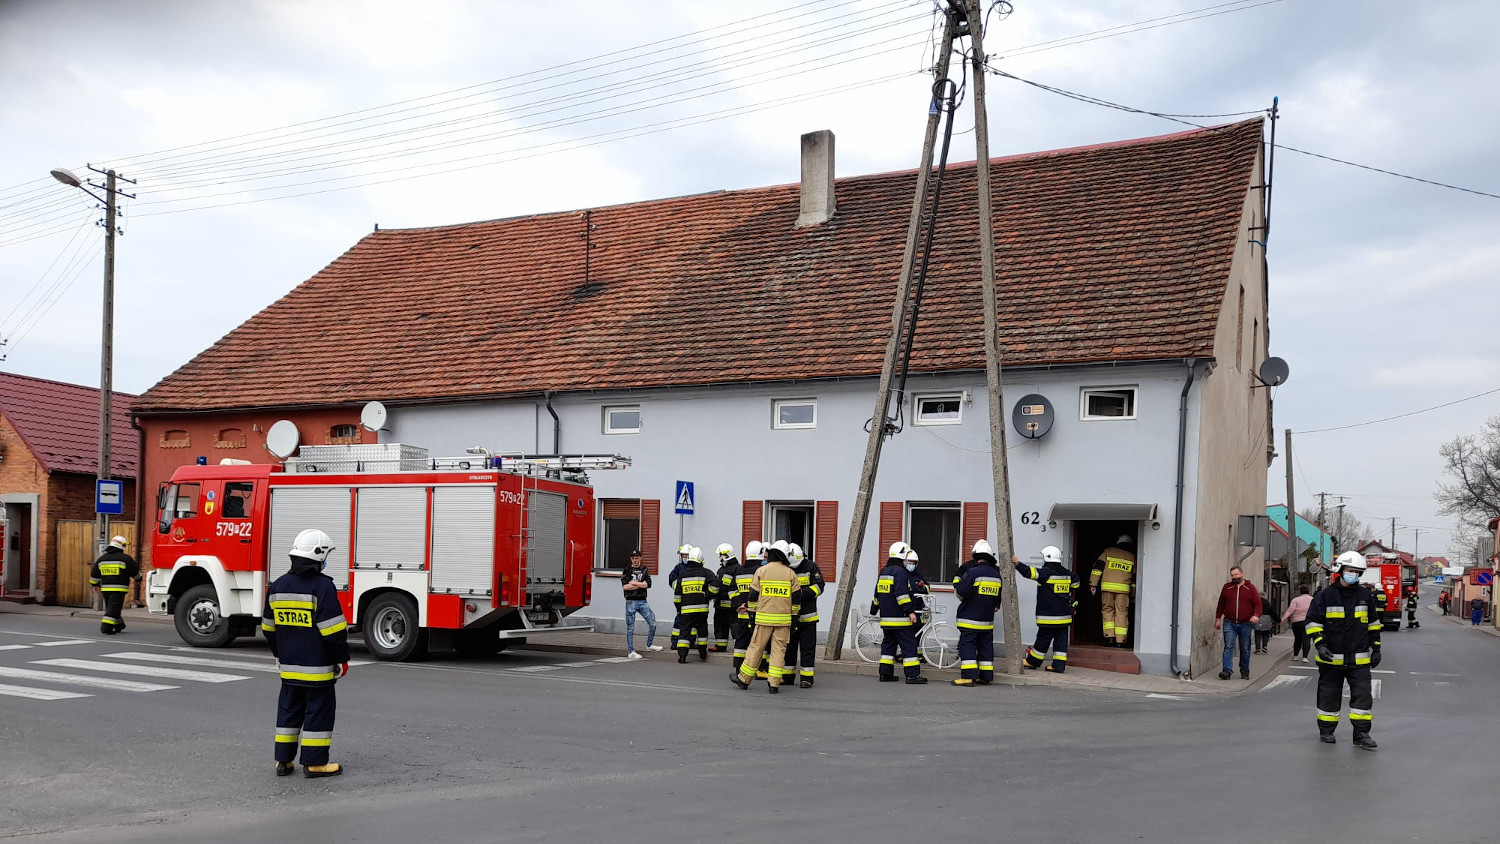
544 746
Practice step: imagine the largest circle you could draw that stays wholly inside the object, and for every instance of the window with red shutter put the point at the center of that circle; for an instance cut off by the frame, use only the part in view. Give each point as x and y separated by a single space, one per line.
651 533
752 524
892 525
826 540
976 524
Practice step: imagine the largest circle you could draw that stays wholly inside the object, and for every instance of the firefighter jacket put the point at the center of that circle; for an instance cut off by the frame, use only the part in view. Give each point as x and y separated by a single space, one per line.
893 601
978 588
919 590
304 625
1115 570
1341 618
771 590
1054 592
113 571
728 583
1411 602
743 577
695 589
810 582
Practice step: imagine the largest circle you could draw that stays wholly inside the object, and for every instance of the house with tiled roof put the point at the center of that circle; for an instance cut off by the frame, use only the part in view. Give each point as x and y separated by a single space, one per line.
49 461
734 339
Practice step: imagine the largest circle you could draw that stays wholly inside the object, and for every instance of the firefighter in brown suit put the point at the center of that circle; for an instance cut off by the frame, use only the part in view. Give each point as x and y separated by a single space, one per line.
1114 573
772 590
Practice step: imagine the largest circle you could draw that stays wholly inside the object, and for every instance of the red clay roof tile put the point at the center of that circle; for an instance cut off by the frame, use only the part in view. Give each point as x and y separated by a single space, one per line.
60 424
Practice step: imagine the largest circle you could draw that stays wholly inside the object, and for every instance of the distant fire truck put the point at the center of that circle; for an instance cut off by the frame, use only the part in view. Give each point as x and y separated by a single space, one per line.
474 553
1394 577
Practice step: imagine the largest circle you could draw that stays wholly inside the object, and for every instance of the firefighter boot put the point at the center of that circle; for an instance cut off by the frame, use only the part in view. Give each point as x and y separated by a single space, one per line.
1364 742
332 769
1327 738
284 769
703 654
963 681
682 656
734 678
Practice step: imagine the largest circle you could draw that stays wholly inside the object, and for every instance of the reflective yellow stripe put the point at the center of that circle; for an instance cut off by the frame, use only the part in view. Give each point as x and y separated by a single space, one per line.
895 622
317 742
773 618
268 627
975 625
291 739
1115 587
329 631
114 588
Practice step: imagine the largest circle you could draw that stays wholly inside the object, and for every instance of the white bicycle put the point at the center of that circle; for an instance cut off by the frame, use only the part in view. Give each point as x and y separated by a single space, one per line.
937 644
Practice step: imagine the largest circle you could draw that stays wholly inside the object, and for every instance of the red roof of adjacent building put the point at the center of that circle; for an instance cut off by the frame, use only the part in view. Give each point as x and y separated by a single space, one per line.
60 424
1116 252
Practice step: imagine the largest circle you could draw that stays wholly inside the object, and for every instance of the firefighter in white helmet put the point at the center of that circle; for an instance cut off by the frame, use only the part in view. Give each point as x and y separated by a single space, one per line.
1345 630
804 642
305 627
693 594
743 603
898 616
729 566
1114 573
1055 589
772 587
682 557
112 575
978 588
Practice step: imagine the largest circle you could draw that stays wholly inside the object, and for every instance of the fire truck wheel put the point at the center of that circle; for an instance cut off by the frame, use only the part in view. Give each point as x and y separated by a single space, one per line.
198 619
391 629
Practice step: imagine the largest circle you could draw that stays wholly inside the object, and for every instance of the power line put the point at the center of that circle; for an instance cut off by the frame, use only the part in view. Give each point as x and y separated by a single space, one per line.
83 226
1390 172
1402 415
1139 26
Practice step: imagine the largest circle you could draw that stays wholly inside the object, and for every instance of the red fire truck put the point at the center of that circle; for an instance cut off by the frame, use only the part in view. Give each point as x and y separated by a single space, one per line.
474 553
1393 576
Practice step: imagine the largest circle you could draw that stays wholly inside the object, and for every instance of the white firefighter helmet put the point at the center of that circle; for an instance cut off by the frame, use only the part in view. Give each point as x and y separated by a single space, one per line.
794 554
684 550
695 554
1052 554
312 545
725 552
899 550
781 547
119 542
1351 560
911 555
982 547
756 550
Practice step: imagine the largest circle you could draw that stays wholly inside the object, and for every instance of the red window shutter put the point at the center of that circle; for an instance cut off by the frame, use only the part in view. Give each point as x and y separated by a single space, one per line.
753 524
650 533
892 515
976 523
622 508
826 539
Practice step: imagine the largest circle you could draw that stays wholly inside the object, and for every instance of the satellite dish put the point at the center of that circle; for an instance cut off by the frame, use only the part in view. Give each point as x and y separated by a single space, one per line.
372 418
1274 371
1032 416
282 439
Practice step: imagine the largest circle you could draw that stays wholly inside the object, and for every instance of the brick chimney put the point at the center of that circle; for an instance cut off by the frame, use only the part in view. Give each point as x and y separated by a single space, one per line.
818 204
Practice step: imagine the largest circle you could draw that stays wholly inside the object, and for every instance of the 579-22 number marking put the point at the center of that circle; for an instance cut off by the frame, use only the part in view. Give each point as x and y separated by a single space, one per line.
234 529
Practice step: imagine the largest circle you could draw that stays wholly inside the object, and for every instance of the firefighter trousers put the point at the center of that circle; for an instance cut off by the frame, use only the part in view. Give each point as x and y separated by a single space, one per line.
744 629
1331 680
114 612
1115 606
723 628
903 639
1411 619
802 645
777 638
305 716
690 630
976 654
1054 636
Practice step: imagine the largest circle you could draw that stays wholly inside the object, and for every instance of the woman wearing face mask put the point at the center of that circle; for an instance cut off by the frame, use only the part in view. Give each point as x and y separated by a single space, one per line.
1345 631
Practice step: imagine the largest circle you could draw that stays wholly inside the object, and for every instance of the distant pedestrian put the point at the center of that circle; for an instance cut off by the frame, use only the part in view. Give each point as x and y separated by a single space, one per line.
1296 615
1237 613
636 581
1445 601
1263 628
112 575
1476 611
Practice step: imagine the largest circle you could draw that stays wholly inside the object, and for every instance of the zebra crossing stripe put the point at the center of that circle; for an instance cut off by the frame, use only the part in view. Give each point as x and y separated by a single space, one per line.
234 655
194 660
38 694
63 642
142 670
110 683
13 647
1287 680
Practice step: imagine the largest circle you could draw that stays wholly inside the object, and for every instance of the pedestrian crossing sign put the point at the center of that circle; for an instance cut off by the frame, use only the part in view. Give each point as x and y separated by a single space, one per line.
684 498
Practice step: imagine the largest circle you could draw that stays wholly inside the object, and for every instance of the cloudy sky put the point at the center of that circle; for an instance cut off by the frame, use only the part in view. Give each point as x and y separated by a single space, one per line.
269 135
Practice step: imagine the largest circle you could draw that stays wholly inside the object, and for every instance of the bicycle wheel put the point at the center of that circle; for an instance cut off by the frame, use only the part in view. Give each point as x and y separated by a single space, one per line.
939 645
867 638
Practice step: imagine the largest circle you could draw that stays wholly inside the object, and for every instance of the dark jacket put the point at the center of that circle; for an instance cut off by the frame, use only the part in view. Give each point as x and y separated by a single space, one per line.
1344 618
636 574
728 583
1238 602
805 602
893 601
113 571
1055 586
978 588
743 597
304 625
695 589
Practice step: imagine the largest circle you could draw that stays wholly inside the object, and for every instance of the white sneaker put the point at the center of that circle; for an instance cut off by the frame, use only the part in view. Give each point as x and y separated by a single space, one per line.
653 647
634 655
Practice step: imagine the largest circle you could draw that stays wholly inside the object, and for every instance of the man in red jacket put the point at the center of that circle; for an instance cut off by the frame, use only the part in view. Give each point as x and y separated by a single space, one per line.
1239 609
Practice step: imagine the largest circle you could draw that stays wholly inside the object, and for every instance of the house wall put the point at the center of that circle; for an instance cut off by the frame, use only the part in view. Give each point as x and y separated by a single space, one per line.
723 440
23 481
1234 438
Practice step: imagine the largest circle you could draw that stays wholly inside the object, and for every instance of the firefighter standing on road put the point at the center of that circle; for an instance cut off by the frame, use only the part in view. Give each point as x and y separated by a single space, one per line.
729 566
1114 573
744 604
305 627
112 575
771 588
694 594
1346 634
1411 608
1055 586
898 616
804 641
978 588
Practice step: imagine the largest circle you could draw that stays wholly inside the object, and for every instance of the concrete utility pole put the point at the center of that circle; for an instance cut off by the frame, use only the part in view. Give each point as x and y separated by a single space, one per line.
999 467
1291 513
1322 531
107 355
861 516
1393 533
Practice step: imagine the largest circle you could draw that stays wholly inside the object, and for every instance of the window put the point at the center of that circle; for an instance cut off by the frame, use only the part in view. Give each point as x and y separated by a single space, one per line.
230 438
1107 403
622 530
794 413
793 523
343 431
935 537
622 420
179 501
237 500
946 409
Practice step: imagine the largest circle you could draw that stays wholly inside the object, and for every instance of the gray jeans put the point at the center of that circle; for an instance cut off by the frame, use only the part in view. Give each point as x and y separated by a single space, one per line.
644 608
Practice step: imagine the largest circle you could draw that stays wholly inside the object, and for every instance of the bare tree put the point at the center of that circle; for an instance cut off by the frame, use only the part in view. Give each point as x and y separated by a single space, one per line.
1471 464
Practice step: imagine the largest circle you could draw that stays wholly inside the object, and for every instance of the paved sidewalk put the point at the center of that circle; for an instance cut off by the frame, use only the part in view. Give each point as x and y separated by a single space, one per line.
1462 620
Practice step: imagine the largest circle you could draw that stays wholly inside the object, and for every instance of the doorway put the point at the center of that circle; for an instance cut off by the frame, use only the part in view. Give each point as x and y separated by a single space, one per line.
19 564
1090 538
793 523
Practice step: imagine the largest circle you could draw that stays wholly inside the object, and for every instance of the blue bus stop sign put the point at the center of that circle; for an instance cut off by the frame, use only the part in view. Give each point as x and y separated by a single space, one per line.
109 497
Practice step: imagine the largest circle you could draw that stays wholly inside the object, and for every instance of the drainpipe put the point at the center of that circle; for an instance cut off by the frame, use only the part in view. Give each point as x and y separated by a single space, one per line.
556 424
1182 418
141 537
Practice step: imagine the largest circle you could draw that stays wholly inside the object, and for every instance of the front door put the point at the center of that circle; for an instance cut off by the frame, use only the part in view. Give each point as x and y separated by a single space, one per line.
793 523
1090 538
227 512
178 521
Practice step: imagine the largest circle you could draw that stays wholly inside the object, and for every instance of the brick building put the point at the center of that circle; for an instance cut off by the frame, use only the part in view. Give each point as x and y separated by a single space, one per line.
49 447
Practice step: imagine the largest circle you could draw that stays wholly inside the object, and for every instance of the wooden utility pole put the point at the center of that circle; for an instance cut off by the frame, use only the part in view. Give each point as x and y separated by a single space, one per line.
1291 513
1322 531
861 516
999 468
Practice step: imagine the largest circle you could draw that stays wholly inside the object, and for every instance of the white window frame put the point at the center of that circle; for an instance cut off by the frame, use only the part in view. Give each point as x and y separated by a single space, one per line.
916 408
778 404
1083 402
617 408
956 507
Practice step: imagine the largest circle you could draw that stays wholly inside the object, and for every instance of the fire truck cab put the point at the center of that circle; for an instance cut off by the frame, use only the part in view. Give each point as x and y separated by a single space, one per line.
473 553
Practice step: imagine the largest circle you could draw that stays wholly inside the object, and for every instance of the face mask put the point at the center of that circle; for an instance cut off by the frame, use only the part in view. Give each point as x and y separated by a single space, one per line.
323 564
1236 580
1351 577
911 566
